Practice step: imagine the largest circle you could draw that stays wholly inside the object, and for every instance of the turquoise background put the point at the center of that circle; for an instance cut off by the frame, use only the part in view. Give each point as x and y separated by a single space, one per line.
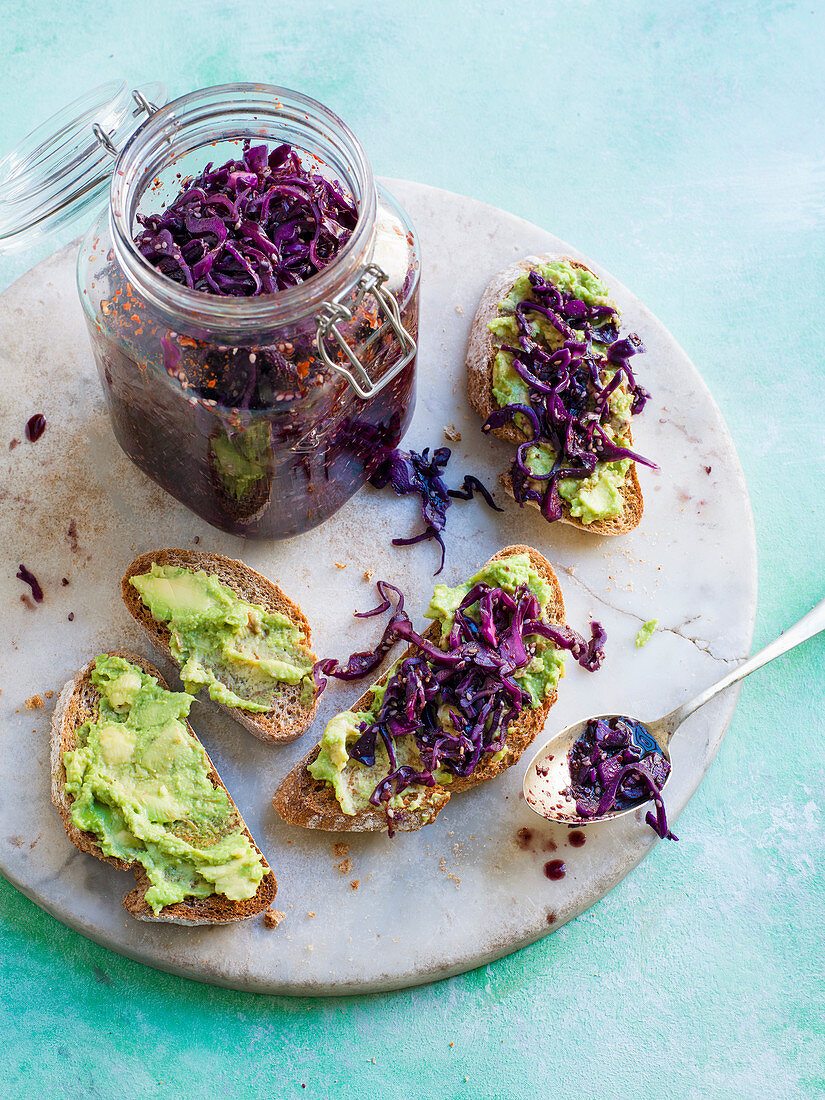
682 145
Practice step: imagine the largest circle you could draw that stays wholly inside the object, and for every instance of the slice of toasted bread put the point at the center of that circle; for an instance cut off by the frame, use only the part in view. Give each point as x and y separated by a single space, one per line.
311 803
481 353
77 703
289 718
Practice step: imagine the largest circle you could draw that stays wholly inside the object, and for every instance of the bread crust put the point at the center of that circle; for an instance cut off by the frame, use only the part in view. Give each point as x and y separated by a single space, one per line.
78 703
311 803
481 353
289 718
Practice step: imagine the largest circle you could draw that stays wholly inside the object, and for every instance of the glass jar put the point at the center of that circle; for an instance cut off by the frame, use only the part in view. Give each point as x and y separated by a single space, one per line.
261 414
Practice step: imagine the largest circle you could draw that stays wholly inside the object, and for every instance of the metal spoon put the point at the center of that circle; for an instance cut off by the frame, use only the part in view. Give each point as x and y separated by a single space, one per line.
548 773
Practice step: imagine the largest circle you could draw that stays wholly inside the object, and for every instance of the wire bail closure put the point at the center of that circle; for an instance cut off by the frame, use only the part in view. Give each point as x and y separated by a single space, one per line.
143 104
334 312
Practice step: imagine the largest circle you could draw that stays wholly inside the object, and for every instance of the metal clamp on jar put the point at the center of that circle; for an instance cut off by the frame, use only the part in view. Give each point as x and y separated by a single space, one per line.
262 414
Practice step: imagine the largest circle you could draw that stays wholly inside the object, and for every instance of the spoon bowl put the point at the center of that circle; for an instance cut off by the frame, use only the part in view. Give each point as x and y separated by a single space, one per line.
547 779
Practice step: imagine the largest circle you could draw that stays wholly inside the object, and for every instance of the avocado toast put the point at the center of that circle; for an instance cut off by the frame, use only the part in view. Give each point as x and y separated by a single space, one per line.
311 800
232 630
518 356
136 789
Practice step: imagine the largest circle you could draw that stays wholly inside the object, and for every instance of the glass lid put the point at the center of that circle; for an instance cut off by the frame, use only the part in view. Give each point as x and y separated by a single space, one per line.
64 165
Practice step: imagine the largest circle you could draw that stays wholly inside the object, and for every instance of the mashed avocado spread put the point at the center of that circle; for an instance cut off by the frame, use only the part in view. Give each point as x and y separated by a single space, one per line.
141 783
352 781
598 496
240 651
646 632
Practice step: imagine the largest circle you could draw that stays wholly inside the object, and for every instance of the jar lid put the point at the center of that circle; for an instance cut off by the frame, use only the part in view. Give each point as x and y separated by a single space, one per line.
64 165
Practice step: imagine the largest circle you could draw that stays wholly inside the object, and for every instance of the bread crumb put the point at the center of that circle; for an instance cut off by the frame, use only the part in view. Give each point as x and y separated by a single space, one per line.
273 917
368 574
340 565
459 310
48 694
345 866
34 702
355 883
340 850
452 433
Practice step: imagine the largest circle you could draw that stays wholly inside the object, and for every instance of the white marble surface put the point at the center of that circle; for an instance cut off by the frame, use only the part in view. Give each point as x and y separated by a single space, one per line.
461 892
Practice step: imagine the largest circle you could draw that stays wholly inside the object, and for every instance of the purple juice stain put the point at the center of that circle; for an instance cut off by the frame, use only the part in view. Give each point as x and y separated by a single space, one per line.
35 426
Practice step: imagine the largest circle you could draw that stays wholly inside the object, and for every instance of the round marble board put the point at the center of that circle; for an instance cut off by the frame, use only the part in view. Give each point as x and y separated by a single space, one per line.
382 913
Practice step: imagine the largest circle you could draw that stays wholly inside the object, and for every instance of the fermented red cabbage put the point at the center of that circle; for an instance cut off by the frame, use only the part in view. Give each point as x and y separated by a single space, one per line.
569 401
29 578
615 765
362 664
589 654
472 682
457 702
252 226
411 472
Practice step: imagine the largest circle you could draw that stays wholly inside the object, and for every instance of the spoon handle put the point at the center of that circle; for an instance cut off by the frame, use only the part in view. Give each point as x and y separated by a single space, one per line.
810 624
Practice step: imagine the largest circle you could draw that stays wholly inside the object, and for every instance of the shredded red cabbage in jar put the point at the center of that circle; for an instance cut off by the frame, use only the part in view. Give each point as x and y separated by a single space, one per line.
252 226
473 680
569 409
250 426
615 765
410 472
